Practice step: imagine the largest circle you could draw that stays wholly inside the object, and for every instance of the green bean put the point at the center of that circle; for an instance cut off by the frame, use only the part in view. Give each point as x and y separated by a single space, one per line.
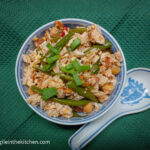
46 68
76 78
69 66
107 45
42 60
65 77
81 91
89 88
55 39
70 102
38 49
75 114
79 67
36 89
62 76
52 59
45 92
49 67
49 54
53 49
78 30
69 78
63 41
39 69
65 70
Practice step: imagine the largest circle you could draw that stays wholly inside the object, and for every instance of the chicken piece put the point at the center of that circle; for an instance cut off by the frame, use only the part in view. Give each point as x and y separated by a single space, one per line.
115 70
26 58
59 25
108 72
118 56
102 79
88 108
38 41
95 59
102 69
103 98
47 35
30 92
95 34
57 29
62 92
108 87
97 106
109 61
54 32
93 80
78 54
84 39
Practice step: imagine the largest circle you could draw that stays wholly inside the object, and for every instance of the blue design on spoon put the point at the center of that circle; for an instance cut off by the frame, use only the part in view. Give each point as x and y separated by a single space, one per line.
133 93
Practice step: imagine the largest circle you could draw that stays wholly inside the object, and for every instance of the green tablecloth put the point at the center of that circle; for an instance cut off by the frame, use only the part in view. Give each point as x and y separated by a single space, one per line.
127 20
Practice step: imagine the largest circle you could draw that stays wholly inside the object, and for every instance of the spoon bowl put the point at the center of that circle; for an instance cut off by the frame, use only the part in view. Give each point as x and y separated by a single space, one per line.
135 98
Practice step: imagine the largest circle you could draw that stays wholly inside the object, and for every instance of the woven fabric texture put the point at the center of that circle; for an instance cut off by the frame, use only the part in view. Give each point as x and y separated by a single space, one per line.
127 20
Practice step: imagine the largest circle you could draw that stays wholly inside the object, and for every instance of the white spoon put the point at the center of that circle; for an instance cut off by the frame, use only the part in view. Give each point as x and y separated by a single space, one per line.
134 98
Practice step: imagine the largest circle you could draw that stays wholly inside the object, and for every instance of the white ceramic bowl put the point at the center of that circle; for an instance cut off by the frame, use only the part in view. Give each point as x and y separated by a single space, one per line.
72 23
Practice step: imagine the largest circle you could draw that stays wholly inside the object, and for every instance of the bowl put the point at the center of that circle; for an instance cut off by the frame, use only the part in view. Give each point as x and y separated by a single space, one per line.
72 23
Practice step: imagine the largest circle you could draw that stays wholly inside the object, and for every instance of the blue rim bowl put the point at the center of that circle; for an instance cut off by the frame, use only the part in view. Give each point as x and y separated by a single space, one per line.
28 44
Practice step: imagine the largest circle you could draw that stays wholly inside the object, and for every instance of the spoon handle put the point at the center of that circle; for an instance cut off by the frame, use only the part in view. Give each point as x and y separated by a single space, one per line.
90 130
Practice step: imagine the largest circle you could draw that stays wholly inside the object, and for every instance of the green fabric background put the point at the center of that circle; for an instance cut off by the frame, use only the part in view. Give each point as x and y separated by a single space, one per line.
127 20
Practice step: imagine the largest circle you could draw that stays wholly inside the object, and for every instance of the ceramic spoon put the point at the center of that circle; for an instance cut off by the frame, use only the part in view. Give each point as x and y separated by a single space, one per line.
134 98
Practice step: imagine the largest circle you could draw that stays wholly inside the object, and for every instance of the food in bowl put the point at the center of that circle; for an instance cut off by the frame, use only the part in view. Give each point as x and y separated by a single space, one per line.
71 70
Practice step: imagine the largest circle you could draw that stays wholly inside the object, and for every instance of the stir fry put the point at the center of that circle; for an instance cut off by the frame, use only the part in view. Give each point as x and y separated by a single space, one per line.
71 71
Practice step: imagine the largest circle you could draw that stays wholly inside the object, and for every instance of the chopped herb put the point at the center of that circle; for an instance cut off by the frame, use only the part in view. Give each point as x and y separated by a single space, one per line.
46 68
84 68
49 54
95 68
69 66
52 59
48 93
69 49
63 69
77 79
76 65
75 44
79 67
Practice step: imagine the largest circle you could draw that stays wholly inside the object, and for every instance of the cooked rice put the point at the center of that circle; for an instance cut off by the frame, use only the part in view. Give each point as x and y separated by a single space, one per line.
42 80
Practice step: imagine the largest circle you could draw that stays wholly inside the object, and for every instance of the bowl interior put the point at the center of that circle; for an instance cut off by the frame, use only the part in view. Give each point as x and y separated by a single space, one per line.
72 23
